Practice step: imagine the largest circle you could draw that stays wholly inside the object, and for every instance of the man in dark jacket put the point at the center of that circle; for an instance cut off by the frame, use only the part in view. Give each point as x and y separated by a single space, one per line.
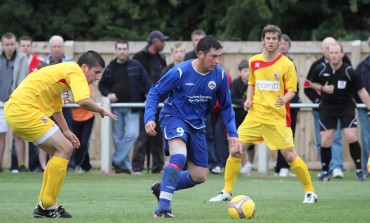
123 81
363 69
153 63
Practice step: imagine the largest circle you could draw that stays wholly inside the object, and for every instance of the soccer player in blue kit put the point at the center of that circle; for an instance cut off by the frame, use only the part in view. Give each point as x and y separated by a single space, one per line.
193 87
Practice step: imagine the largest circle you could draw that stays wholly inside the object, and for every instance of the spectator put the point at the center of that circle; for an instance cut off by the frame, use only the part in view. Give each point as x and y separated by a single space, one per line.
196 35
336 164
13 69
337 82
363 69
177 55
153 63
282 168
56 55
238 89
82 125
122 81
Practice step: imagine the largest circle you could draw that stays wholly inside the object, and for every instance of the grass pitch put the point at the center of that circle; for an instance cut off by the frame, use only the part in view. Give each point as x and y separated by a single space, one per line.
96 197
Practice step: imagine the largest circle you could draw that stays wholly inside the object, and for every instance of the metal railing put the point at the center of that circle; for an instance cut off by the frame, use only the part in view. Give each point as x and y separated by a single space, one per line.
106 133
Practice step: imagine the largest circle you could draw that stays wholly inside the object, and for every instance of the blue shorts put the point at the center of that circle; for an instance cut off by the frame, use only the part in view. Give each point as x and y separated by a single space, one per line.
195 139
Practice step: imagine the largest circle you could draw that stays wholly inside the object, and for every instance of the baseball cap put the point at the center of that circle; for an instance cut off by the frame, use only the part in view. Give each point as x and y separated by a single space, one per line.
157 35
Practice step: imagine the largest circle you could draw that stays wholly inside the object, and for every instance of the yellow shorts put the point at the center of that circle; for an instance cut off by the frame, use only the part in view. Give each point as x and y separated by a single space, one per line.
26 120
276 137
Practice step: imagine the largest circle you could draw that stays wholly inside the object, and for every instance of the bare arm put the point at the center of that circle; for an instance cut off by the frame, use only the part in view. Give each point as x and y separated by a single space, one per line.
59 118
90 105
283 100
248 103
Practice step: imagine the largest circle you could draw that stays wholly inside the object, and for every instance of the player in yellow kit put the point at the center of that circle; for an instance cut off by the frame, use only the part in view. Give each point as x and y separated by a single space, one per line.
272 84
36 99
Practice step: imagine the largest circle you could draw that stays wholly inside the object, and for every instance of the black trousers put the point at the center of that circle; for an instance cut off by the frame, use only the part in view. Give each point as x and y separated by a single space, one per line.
147 145
83 129
281 162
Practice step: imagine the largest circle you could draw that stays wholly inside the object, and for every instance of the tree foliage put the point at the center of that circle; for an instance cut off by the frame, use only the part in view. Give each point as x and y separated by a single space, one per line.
228 20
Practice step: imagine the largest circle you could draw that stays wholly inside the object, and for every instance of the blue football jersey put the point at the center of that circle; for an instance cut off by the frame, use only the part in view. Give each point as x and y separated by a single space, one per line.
192 96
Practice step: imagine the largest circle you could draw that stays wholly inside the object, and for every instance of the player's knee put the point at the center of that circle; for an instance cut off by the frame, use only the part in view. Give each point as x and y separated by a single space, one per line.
66 150
178 156
236 154
289 155
199 179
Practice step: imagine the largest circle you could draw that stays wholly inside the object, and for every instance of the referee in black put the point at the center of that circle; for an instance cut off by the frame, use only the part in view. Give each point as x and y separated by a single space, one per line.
338 83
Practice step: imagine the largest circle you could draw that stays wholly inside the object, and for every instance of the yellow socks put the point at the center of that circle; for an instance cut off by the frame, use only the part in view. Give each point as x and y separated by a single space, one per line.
54 175
300 169
44 180
232 169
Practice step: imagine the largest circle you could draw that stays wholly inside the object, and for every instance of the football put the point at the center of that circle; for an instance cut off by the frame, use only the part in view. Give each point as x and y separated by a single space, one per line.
241 207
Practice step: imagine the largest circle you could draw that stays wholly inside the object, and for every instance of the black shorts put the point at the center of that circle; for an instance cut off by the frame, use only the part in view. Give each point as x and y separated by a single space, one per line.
329 117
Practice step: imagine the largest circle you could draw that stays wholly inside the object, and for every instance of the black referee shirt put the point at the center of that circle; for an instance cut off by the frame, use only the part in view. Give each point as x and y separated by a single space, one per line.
345 80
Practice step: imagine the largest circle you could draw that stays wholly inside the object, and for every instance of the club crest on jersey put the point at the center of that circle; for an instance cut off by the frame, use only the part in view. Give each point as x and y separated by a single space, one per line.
211 85
44 120
276 75
342 84
257 65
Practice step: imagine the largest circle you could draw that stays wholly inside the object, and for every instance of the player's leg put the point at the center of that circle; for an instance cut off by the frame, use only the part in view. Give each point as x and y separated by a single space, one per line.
60 149
328 123
300 169
281 137
170 178
348 119
355 150
175 145
249 132
327 137
197 160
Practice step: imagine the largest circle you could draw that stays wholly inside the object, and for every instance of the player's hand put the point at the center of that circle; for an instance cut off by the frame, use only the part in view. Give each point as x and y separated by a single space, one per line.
72 138
235 145
329 89
150 128
279 102
247 105
105 112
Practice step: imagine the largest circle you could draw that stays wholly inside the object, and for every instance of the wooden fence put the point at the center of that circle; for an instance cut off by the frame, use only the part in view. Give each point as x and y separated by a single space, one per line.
303 54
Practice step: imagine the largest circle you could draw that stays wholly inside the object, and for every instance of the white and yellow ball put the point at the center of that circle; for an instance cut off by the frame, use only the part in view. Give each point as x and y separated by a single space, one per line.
241 207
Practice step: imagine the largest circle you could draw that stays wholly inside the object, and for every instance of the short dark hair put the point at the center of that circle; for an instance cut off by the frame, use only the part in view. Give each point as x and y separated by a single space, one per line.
25 38
121 41
243 64
271 29
8 35
206 43
91 59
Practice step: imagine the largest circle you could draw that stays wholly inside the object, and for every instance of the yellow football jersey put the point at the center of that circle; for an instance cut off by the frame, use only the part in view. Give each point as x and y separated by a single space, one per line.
43 88
270 79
